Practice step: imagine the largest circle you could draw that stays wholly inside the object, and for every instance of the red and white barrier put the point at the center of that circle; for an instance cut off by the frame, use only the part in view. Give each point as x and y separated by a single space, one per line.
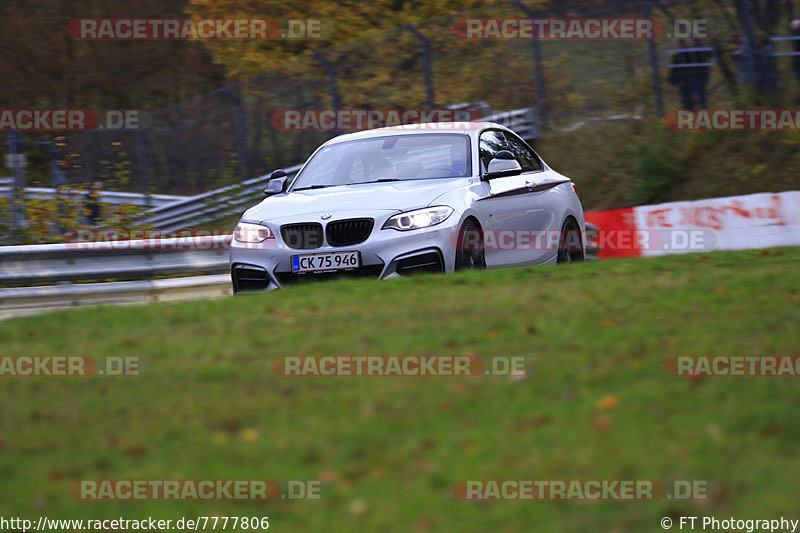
760 220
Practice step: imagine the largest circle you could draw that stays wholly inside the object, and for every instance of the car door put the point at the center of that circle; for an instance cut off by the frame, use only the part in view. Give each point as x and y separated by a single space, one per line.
541 183
507 207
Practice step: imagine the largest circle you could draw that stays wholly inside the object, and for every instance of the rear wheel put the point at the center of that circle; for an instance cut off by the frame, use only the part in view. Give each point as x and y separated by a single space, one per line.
469 254
570 246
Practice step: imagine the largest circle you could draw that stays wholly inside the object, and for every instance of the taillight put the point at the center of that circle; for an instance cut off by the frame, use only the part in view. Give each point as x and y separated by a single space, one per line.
574 188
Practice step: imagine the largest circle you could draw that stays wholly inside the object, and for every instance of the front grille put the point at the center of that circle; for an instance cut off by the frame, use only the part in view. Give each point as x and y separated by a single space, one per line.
348 232
302 236
368 271
249 278
427 262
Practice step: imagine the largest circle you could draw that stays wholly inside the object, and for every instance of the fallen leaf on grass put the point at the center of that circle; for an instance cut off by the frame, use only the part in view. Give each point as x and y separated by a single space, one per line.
357 507
250 435
135 451
609 401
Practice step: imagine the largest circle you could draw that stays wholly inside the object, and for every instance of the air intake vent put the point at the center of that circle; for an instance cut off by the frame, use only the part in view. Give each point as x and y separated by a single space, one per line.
428 262
249 278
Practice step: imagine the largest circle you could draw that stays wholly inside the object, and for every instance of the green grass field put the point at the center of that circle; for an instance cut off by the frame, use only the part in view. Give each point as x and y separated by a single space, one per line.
597 402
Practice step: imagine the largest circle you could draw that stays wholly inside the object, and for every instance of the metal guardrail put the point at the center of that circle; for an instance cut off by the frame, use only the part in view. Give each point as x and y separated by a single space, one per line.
110 197
26 301
210 206
205 257
595 120
83 261
522 121
780 39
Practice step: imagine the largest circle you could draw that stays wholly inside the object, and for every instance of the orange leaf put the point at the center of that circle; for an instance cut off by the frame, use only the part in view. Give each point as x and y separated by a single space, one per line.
609 401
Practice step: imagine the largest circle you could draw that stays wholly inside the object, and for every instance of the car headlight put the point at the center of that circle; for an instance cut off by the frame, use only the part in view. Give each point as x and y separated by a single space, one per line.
420 218
246 232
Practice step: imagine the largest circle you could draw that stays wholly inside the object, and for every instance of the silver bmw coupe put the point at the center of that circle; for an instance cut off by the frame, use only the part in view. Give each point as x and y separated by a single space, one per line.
400 200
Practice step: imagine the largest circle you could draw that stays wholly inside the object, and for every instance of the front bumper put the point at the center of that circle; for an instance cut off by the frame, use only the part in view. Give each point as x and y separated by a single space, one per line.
386 253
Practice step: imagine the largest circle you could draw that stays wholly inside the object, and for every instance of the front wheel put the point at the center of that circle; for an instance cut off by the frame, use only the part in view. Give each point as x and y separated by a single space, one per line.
470 253
570 245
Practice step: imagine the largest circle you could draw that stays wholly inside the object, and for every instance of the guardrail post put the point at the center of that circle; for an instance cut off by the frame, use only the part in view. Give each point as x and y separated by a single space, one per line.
425 46
144 167
241 129
14 140
541 90
651 48
333 84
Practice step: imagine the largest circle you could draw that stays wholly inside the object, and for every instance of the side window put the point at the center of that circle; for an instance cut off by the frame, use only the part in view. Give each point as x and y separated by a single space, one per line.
491 142
525 156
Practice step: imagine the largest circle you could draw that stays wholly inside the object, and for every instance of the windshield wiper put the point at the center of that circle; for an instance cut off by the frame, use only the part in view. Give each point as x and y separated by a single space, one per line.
379 180
313 187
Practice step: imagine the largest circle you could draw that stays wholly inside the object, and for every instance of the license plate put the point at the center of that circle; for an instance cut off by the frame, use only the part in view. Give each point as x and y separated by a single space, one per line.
326 261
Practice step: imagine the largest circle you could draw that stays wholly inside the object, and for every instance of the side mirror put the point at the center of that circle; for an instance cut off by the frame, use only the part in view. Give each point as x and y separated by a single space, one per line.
276 182
502 164
280 173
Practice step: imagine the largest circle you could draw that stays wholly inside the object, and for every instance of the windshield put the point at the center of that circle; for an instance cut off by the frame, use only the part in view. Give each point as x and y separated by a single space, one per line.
388 158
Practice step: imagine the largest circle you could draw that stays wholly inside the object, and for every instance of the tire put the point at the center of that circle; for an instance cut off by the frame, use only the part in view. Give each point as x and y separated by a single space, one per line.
470 253
570 245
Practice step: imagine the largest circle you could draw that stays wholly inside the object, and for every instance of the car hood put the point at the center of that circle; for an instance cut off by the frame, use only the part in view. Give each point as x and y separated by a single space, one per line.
394 196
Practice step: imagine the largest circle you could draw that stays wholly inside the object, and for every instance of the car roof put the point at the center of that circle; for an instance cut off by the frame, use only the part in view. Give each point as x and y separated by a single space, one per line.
466 128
